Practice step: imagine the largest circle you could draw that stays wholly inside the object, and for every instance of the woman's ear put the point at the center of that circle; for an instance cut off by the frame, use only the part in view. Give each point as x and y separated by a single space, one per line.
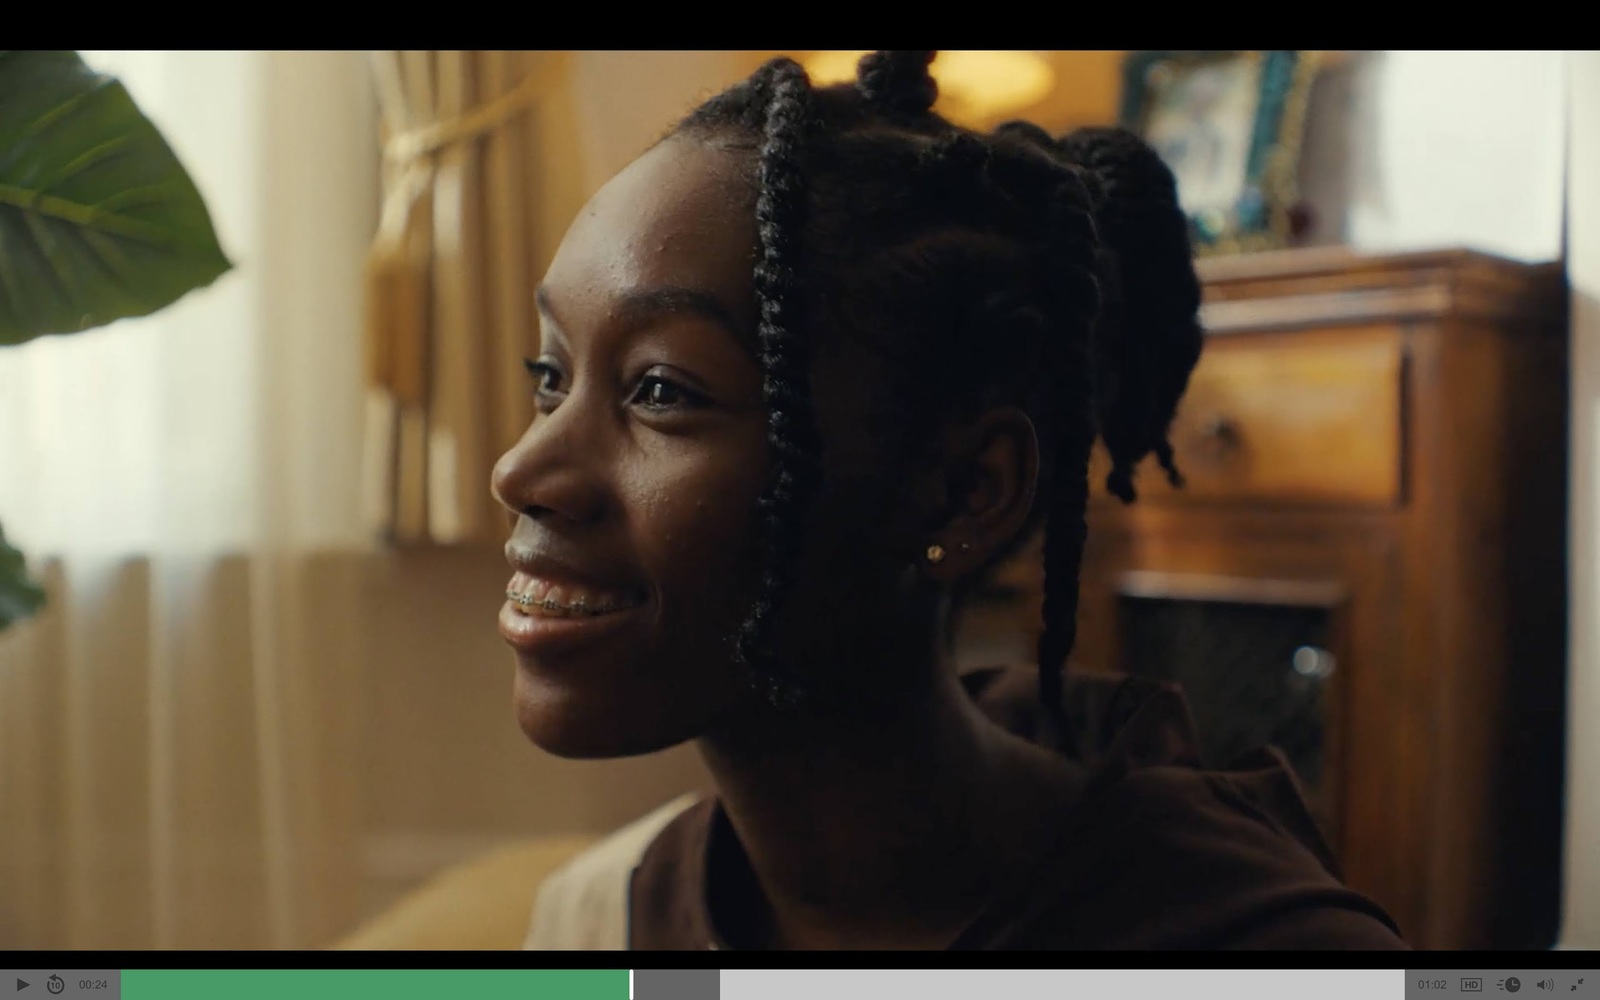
991 475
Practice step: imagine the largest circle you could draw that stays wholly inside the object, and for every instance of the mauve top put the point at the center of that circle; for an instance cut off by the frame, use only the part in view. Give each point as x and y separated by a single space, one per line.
1159 853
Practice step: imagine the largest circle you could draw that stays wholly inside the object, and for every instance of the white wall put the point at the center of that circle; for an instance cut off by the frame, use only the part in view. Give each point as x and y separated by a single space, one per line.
1581 924
1417 150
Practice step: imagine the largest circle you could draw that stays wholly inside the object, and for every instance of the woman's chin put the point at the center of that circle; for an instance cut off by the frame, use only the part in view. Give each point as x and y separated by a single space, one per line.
577 725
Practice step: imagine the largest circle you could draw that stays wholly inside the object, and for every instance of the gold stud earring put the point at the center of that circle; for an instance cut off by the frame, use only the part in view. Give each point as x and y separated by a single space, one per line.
936 553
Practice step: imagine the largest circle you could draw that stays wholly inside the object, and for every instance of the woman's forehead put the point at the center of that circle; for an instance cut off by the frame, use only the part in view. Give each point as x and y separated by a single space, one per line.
681 216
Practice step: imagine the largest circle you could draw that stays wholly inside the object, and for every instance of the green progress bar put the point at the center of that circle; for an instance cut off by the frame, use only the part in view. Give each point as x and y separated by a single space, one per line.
390 984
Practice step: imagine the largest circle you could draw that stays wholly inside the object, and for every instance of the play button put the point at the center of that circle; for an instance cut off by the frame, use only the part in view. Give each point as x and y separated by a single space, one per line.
21 985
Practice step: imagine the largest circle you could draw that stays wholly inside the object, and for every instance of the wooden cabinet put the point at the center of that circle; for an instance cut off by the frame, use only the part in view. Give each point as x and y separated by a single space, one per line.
1367 568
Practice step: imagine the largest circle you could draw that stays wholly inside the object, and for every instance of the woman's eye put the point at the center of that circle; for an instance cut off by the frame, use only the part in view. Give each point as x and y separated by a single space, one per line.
658 393
546 377
654 392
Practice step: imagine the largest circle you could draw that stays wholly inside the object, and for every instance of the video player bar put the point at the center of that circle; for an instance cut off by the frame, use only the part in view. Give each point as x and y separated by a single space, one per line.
802 984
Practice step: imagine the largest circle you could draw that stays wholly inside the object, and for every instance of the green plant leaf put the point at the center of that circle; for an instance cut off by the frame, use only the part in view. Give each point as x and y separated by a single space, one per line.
98 219
19 596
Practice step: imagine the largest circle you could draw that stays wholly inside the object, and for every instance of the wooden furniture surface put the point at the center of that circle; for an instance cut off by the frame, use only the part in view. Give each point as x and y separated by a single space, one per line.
1375 456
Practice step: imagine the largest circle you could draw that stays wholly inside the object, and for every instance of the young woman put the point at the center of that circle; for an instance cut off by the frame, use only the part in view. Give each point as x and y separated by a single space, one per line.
810 365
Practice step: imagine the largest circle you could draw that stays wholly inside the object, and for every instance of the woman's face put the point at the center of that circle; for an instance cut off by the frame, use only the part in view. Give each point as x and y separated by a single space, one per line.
634 489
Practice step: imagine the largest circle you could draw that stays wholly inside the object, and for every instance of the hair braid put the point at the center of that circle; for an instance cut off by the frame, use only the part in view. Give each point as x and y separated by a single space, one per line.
1064 202
785 360
1075 249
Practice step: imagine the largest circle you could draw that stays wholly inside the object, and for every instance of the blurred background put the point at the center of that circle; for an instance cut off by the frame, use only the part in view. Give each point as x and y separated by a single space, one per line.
266 702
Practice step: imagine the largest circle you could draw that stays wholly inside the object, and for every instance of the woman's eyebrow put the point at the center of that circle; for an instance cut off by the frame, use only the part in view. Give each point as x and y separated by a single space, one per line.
638 307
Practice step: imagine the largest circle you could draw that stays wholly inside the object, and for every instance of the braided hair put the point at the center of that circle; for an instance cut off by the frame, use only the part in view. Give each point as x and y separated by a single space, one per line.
1067 258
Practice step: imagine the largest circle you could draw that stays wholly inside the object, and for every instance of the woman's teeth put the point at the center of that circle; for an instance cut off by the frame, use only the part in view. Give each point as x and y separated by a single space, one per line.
542 598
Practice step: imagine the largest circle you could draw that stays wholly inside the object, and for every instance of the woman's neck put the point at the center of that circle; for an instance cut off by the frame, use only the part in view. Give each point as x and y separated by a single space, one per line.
887 828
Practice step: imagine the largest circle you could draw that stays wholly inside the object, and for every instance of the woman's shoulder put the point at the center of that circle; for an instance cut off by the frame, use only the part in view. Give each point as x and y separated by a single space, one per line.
583 905
1174 857
1165 852
1235 850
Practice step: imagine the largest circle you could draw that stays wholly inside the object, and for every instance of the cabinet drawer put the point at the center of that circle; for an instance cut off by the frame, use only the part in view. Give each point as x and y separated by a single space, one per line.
1305 417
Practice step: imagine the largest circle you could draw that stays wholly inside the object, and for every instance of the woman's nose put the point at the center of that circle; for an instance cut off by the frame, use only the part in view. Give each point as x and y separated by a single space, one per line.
554 469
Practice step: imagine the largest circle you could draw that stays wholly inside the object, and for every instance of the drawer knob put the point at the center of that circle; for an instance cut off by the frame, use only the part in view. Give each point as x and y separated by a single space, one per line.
1220 429
1216 439
1313 663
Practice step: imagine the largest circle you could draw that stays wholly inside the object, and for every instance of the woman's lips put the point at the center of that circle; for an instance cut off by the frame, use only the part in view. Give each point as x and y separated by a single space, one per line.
541 616
545 633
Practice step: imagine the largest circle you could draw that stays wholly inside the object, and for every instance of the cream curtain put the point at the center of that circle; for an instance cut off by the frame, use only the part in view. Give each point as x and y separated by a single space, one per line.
473 201
178 729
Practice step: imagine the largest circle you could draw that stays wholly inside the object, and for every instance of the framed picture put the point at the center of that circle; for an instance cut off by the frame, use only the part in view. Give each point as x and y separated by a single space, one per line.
1229 126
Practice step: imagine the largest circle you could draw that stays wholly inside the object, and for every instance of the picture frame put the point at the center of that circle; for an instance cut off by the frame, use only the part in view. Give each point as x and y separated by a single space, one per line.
1229 124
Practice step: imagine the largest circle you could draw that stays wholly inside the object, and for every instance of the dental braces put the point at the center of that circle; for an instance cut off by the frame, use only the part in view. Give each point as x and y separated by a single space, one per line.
577 606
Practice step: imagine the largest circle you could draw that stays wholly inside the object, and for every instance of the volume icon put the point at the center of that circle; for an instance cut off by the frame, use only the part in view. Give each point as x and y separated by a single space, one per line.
1546 984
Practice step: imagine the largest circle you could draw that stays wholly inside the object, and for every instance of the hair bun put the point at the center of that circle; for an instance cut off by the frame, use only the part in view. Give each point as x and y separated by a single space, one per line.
898 81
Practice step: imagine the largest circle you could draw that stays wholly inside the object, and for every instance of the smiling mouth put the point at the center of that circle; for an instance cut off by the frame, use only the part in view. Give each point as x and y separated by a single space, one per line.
538 598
